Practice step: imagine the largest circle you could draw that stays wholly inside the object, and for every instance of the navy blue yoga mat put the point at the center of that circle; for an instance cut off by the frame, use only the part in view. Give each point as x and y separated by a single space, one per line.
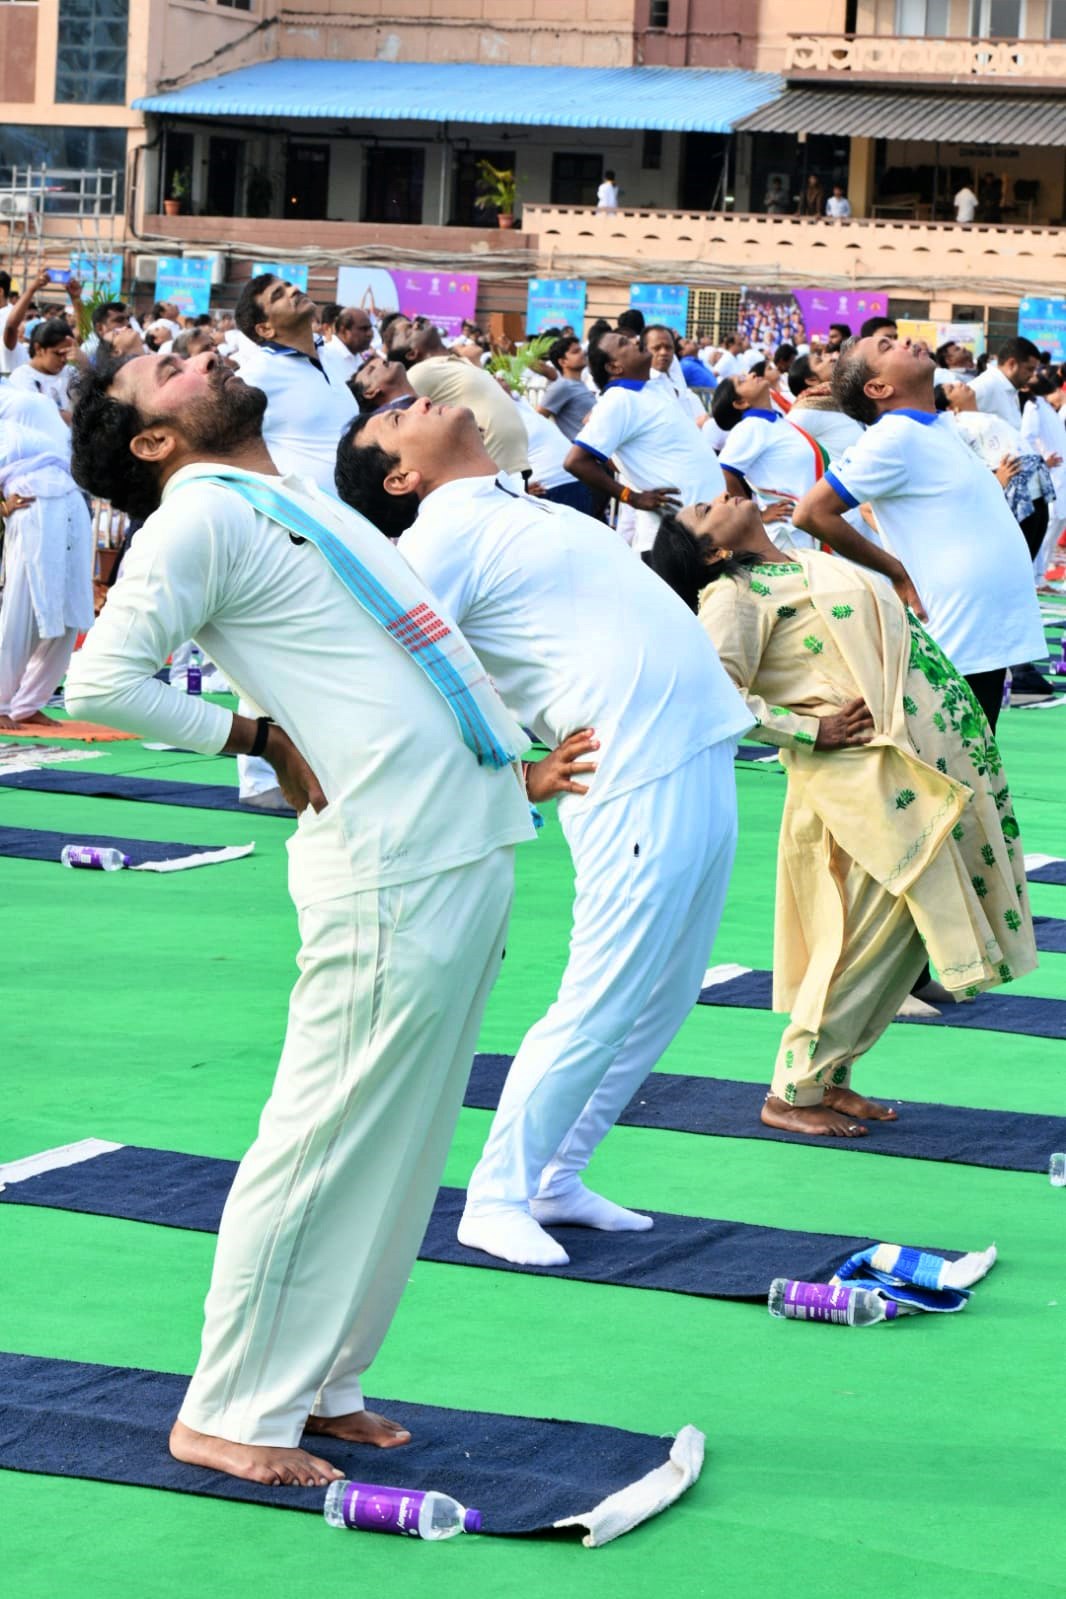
1050 934
996 1013
110 1424
721 1108
1053 872
681 1254
32 844
149 790
758 752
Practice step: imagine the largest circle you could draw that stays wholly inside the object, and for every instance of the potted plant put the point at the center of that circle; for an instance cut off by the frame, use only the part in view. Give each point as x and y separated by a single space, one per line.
498 188
259 193
179 188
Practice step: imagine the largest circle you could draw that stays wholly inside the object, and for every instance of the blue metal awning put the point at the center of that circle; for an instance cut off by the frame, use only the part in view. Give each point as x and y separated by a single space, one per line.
670 99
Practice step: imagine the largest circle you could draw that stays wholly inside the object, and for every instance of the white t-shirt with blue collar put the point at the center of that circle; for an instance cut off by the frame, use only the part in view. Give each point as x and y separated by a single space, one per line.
656 444
774 461
943 514
308 408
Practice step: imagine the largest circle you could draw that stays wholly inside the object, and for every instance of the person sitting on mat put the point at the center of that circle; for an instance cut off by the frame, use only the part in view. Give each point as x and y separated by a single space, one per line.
577 637
399 762
898 836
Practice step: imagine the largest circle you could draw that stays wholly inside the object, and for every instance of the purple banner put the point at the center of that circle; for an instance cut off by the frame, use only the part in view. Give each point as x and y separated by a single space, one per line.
822 307
446 298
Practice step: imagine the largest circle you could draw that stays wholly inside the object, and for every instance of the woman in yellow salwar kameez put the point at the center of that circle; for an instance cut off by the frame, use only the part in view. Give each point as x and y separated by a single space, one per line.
898 841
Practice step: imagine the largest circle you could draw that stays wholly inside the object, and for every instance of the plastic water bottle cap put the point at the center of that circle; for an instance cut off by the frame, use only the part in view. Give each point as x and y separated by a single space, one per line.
472 1521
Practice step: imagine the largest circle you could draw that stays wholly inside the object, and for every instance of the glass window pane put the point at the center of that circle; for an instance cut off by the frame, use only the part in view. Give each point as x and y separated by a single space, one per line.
1004 19
91 64
910 18
1056 19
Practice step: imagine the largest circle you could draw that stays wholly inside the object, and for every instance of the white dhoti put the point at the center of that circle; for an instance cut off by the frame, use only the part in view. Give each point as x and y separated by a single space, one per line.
652 870
48 595
330 1204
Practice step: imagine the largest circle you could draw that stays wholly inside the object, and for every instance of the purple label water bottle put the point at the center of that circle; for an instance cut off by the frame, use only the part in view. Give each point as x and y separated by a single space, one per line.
368 1507
194 678
849 1307
98 860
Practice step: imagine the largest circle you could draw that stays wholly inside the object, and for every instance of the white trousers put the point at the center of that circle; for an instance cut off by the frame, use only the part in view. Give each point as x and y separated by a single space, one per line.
652 869
31 668
330 1204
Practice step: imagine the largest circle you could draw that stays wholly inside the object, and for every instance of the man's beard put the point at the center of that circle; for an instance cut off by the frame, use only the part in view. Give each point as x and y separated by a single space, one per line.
230 418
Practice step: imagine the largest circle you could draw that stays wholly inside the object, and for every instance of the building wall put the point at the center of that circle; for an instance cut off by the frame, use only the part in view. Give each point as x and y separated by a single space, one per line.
18 53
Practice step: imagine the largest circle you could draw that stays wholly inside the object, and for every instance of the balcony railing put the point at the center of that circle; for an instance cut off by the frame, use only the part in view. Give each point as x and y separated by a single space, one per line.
700 246
875 56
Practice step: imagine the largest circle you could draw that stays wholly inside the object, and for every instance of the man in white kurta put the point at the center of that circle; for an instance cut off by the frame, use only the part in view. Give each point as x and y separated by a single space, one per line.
576 635
401 872
48 592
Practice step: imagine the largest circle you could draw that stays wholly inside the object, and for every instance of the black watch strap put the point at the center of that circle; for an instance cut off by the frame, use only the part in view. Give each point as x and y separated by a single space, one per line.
262 733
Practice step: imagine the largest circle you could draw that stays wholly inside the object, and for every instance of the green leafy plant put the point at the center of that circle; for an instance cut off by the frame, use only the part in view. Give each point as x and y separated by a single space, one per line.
512 368
498 187
179 183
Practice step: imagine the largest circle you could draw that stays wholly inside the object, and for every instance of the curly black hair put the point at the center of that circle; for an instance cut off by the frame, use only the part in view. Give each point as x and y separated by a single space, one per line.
248 312
360 476
101 433
724 405
598 363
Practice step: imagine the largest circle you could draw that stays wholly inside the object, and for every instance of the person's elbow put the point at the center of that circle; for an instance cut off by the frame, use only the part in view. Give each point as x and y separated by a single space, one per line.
807 515
577 461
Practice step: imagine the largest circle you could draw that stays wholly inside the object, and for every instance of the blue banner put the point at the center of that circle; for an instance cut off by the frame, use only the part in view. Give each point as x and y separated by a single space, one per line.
98 273
664 303
185 283
294 272
556 303
1044 321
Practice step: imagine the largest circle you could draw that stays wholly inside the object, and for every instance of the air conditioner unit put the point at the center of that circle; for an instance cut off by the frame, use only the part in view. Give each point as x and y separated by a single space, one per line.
144 268
218 263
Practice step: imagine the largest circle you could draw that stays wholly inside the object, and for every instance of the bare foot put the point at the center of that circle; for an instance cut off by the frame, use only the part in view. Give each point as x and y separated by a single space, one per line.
361 1427
814 1120
850 1104
272 1464
37 717
7 723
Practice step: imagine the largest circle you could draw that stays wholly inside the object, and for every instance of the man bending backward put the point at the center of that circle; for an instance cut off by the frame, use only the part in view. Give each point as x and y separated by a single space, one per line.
579 639
400 869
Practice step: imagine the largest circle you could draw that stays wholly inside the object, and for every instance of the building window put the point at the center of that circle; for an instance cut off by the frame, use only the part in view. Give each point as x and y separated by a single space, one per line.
82 149
997 19
1055 21
575 178
659 14
91 58
922 19
236 5
651 155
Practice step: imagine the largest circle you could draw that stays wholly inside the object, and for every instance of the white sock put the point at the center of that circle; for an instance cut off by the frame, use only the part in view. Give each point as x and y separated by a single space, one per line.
578 1206
511 1235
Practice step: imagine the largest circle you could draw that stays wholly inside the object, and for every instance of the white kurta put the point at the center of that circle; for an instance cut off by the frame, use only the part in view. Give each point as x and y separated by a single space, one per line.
575 633
403 887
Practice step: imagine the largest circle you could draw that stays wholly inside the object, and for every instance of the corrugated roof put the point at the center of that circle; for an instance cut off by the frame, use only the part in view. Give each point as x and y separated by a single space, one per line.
673 99
887 114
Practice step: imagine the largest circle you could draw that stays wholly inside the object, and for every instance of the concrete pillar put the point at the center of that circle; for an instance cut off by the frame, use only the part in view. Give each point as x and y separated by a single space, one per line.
861 176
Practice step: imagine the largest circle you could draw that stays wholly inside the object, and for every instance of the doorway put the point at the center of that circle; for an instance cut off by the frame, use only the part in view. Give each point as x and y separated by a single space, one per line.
307 182
395 178
468 209
223 174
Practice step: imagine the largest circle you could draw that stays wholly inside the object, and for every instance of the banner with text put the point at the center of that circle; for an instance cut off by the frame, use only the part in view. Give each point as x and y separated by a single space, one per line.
1044 321
446 298
556 303
184 283
294 272
769 317
663 303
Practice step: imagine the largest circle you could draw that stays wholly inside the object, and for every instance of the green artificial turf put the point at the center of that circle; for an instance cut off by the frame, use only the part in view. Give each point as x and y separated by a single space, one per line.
923 1458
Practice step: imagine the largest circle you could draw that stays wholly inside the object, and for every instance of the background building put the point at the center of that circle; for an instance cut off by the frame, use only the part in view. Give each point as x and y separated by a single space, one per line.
339 130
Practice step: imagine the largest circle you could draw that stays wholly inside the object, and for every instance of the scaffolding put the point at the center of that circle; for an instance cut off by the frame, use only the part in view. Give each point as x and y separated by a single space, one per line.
58 211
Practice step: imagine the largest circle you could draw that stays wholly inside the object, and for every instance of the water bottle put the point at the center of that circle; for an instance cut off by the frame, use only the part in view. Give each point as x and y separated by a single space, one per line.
1057 1171
98 860
852 1307
194 678
370 1508
1005 701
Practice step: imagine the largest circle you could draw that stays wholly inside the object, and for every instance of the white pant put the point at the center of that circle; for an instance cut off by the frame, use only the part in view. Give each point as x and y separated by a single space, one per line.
31 668
652 869
330 1204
